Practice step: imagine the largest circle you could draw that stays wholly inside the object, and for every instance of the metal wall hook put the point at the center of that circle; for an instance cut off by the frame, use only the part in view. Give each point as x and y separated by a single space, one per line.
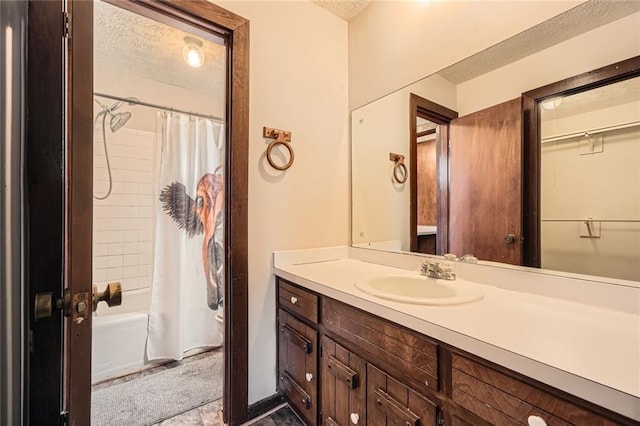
400 173
280 137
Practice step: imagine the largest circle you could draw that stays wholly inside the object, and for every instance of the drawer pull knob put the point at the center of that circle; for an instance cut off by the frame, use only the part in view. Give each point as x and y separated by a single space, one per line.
309 377
536 421
355 418
294 300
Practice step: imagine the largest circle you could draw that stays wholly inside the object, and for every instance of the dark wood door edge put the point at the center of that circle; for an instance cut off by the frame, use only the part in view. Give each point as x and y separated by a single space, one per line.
419 106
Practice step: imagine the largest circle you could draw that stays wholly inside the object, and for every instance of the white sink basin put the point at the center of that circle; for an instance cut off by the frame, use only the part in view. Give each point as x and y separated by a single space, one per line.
420 290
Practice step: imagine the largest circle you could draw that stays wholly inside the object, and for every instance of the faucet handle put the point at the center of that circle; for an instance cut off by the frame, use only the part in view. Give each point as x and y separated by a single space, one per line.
468 258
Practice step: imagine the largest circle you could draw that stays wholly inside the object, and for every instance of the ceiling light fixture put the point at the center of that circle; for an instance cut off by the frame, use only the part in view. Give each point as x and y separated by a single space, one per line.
192 52
551 104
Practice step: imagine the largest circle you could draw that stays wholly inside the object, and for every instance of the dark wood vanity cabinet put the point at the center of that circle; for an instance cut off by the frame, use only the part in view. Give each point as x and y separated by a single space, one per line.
389 402
375 372
298 349
344 385
298 365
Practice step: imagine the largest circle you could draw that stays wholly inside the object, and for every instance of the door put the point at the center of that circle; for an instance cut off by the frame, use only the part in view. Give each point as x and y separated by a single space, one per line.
485 184
344 386
297 365
389 402
59 180
58 232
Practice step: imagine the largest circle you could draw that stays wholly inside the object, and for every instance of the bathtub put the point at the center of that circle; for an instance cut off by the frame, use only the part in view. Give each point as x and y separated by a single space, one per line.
119 337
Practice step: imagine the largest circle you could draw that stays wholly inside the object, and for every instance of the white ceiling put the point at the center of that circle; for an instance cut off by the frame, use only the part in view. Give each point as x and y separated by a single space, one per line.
582 18
345 9
129 43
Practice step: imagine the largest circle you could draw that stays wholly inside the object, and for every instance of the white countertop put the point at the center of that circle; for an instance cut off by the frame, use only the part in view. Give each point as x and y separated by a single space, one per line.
588 351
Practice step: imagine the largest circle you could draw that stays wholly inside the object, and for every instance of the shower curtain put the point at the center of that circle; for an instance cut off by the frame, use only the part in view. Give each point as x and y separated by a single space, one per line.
189 246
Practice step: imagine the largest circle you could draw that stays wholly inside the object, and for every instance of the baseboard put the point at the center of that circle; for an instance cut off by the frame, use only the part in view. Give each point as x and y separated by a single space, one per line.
267 404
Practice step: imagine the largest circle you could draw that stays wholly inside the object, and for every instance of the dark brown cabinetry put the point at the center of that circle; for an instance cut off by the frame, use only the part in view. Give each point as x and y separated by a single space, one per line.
375 372
344 385
390 402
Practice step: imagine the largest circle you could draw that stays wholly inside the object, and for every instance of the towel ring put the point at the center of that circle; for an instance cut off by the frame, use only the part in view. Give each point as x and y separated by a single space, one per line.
270 160
280 137
399 168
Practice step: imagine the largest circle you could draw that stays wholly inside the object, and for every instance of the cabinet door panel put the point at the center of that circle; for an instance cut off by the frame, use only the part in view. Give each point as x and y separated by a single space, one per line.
343 385
297 365
389 402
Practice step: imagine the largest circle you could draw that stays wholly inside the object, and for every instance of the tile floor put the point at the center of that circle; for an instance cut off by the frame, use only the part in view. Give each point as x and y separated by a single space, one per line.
208 414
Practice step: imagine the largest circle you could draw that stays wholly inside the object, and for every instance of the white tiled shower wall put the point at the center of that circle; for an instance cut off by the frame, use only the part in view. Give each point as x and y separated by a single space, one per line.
124 222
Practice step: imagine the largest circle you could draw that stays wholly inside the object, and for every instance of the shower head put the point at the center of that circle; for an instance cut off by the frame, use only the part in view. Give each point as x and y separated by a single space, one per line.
118 120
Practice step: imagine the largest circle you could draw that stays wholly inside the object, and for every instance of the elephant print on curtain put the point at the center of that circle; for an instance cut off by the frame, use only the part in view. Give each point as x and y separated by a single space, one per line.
202 215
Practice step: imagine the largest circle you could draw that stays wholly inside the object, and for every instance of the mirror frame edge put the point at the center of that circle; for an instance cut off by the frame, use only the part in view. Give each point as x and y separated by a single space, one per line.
531 158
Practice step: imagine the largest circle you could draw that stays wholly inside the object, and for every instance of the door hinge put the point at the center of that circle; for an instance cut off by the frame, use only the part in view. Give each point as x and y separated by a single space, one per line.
64 417
66 25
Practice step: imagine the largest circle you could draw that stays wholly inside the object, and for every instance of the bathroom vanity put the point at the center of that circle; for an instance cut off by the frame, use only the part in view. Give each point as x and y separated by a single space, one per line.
345 357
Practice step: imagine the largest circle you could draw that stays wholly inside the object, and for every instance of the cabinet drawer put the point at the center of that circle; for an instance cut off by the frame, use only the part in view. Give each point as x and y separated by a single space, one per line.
299 301
344 386
504 400
298 365
389 402
404 351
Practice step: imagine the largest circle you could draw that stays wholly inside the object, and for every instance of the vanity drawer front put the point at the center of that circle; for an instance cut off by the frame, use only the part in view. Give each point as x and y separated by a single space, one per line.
297 300
344 385
389 402
298 365
410 354
504 400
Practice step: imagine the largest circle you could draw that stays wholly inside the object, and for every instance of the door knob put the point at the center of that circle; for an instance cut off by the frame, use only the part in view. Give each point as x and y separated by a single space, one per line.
509 238
112 295
45 305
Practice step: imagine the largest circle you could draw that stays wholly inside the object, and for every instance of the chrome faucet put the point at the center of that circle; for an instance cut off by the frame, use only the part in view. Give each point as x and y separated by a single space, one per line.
435 270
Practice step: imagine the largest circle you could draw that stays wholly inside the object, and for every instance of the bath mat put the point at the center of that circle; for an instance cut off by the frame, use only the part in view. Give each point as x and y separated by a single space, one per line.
152 398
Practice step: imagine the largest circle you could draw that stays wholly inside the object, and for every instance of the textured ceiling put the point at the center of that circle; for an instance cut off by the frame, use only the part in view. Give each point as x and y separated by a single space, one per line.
345 9
600 99
582 18
133 44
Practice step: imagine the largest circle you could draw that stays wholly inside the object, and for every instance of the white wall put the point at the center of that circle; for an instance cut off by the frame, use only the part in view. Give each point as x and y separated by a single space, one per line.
380 206
298 72
603 46
392 44
603 185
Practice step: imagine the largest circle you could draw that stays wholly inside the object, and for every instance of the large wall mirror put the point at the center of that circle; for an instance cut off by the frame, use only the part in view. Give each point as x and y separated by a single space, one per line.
548 179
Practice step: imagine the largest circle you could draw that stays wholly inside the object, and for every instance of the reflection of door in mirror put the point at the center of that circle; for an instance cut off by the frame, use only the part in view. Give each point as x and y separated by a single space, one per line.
590 181
429 141
427 134
485 184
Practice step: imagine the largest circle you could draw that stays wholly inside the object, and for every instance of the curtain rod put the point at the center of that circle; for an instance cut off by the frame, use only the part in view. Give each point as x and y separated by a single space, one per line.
589 132
164 108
